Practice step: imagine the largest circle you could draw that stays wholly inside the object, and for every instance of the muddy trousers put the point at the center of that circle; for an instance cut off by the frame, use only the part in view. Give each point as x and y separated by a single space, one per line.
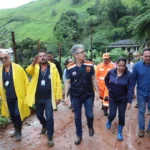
14 113
88 105
48 122
121 106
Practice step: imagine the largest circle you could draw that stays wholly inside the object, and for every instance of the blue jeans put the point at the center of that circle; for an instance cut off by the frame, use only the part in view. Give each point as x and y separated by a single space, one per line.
121 105
88 105
46 105
142 101
14 113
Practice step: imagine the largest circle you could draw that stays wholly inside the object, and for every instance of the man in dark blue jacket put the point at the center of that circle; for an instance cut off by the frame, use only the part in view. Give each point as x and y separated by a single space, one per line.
80 79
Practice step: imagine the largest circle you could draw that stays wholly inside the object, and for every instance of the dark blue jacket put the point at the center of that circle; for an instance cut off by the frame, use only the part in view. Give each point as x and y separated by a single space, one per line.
81 79
120 88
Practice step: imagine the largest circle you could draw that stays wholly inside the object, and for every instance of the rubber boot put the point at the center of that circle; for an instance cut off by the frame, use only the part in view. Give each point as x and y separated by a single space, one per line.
14 133
108 124
50 142
119 136
18 134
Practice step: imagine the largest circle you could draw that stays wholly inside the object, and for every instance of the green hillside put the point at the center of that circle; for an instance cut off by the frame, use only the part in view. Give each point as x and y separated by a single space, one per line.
95 23
35 19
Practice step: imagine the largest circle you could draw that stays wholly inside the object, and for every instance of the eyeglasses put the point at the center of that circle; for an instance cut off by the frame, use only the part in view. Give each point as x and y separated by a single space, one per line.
82 52
2 58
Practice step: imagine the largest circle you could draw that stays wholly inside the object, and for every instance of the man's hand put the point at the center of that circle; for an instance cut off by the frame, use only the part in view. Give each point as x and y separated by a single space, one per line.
35 61
128 106
57 102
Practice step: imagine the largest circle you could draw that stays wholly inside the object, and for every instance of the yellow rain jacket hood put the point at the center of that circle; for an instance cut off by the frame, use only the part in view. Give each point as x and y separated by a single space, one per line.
56 89
21 83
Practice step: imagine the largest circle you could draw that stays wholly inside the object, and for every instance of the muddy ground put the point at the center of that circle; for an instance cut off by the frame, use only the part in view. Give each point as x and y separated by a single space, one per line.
64 136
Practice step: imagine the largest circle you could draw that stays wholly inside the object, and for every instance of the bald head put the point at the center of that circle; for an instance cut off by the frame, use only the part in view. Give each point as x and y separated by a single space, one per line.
4 58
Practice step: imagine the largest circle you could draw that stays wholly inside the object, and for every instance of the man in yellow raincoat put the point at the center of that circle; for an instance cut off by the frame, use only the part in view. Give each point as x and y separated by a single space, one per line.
44 91
13 88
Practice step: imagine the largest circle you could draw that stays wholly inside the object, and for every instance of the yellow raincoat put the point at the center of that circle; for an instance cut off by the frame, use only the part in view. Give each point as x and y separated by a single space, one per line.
21 83
56 89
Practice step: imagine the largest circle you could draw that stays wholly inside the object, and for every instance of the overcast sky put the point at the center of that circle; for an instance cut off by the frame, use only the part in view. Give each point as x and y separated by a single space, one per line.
12 3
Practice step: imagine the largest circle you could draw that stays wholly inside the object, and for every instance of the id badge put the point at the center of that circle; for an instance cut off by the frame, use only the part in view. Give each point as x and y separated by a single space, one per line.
6 83
42 82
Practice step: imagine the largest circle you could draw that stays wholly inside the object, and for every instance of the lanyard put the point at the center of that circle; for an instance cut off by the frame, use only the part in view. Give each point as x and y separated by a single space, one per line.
43 73
8 74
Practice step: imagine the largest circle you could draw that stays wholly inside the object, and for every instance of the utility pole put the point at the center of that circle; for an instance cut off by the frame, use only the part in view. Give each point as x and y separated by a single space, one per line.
91 44
14 46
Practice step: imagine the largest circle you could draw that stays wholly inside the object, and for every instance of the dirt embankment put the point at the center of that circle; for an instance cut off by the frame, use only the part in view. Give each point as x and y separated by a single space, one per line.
64 136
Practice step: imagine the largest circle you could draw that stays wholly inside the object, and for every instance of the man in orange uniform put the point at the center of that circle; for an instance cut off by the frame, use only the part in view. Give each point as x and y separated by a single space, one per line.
101 71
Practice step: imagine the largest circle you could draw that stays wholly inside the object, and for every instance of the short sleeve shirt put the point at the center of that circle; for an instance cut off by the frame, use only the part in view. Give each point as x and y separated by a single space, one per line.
81 79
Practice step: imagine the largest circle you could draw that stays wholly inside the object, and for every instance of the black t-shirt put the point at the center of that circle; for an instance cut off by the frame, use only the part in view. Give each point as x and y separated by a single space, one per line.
81 79
58 66
8 84
43 90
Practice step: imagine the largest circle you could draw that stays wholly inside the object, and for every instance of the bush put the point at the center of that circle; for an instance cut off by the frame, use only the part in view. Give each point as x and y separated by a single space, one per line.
3 121
116 53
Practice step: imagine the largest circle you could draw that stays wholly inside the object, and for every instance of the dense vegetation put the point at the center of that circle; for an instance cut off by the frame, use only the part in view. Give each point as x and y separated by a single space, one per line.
58 24
3 121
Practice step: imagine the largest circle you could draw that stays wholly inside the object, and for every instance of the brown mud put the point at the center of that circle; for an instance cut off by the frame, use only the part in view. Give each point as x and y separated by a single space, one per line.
65 135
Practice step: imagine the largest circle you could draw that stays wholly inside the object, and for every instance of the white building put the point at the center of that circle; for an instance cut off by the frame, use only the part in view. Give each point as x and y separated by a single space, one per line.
126 44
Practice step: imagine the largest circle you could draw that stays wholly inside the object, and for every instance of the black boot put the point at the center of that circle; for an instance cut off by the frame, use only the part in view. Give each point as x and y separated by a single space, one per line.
78 140
91 131
18 134
43 130
105 111
14 133
106 107
50 142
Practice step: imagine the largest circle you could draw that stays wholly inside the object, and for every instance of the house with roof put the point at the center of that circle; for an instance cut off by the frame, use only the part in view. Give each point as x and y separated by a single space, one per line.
126 44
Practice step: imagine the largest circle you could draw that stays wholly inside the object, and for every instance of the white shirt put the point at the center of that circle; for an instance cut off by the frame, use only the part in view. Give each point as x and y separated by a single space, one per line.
130 66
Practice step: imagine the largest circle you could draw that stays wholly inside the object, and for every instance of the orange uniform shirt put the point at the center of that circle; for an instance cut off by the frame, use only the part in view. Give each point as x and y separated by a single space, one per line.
101 72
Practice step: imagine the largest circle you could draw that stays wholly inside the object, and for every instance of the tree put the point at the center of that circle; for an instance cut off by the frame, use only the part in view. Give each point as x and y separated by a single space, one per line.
116 10
26 49
75 2
53 12
116 53
67 29
140 26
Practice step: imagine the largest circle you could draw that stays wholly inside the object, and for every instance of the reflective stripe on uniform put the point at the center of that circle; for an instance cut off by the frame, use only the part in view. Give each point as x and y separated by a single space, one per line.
101 69
105 104
101 78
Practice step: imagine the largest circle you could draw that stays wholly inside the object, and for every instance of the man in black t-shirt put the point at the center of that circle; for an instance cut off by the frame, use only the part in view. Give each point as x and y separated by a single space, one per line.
50 58
45 91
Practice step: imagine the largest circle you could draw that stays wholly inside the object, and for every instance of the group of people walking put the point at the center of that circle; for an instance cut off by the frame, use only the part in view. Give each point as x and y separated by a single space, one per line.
113 83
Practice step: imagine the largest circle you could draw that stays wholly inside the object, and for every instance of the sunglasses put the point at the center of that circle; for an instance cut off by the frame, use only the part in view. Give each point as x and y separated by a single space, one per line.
2 58
82 52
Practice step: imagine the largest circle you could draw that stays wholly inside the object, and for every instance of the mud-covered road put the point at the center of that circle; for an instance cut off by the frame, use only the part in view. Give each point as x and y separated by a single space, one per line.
64 136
